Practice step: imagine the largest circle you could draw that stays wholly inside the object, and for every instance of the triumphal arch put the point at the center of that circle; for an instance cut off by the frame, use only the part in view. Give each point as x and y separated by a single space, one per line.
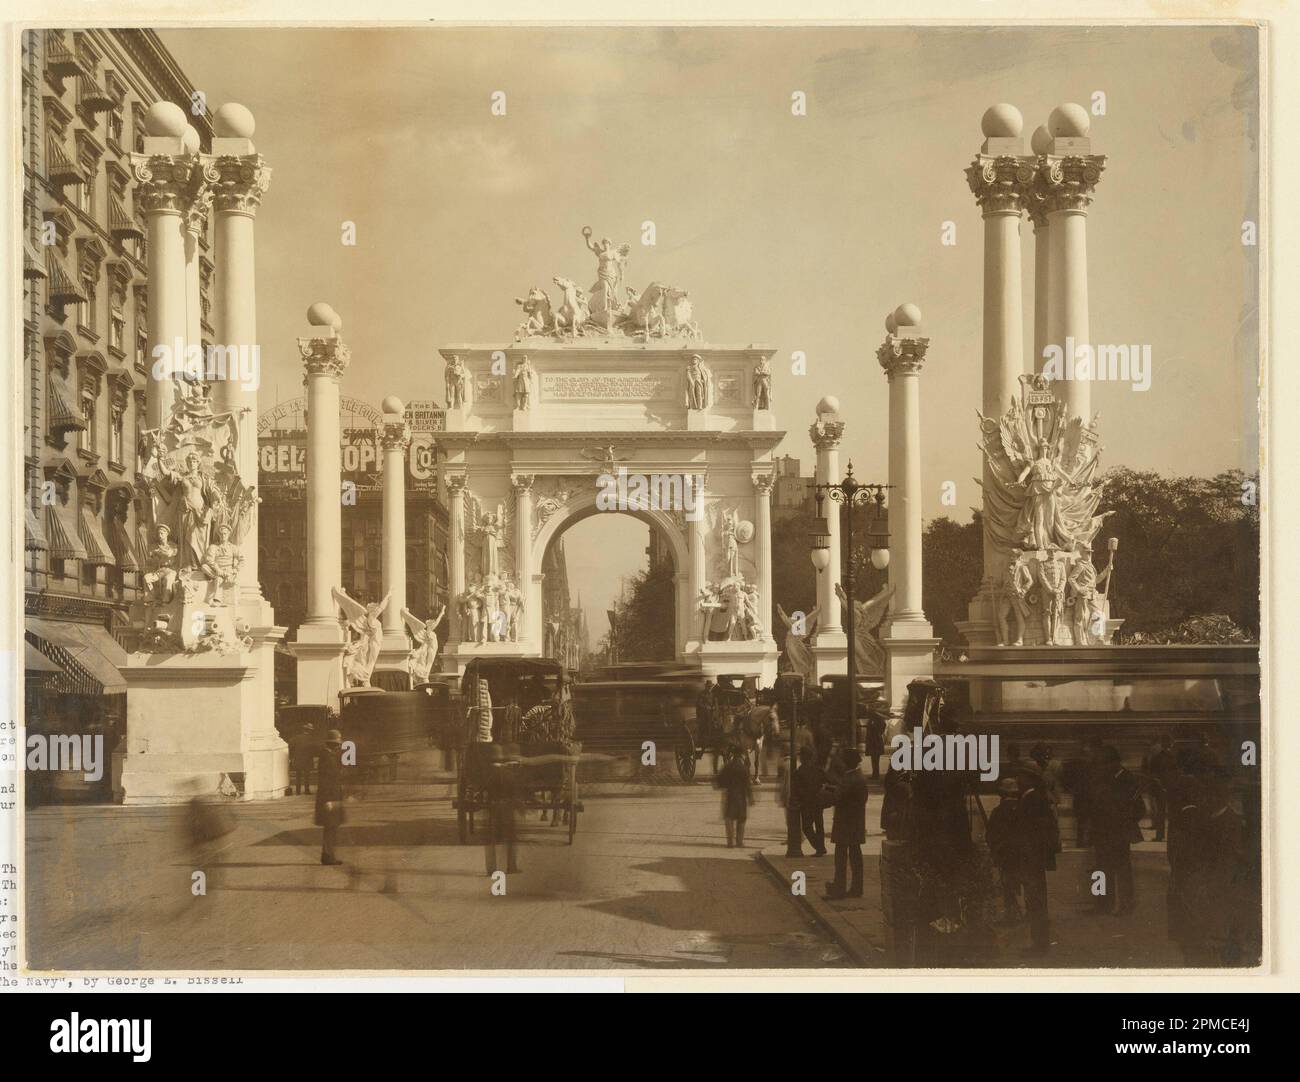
608 400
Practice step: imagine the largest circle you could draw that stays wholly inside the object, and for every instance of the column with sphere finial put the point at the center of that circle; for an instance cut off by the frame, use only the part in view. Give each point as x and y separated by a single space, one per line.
319 643
906 634
395 439
1068 176
830 644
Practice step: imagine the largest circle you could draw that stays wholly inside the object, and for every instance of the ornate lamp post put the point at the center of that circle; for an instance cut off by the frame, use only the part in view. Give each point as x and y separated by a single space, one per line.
851 492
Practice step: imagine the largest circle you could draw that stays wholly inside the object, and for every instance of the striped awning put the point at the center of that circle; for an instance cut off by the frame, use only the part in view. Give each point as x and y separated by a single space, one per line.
85 651
98 550
33 264
59 167
92 96
123 548
63 414
120 223
63 287
33 535
64 544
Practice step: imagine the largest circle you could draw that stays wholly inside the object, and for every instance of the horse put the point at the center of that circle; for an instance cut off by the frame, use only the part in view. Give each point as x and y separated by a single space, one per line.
748 729
537 310
574 309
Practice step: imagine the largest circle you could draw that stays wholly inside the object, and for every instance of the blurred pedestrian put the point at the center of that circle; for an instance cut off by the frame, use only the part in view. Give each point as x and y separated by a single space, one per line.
737 795
809 778
849 827
1038 842
503 804
875 742
1162 769
1117 813
329 794
303 749
1004 848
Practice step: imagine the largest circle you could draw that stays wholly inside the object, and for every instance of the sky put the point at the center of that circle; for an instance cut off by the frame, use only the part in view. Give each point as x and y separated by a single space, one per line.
798 232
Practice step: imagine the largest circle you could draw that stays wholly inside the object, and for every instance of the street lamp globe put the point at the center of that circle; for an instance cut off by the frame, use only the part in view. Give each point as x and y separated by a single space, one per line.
880 559
821 558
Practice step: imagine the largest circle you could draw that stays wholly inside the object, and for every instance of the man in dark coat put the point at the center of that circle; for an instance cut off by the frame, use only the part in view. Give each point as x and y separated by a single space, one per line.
329 794
1004 848
1117 811
808 781
303 750
1037 843
849 827
875 742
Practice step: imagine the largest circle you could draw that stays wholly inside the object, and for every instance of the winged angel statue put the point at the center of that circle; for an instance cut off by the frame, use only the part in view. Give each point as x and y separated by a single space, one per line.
1041 494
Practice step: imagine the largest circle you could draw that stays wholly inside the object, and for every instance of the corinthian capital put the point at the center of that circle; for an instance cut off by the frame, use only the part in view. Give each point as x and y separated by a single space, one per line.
763 483
826 435
324 356
1068 183
238 183
165 183
522 482
1001 183
395 436
902 355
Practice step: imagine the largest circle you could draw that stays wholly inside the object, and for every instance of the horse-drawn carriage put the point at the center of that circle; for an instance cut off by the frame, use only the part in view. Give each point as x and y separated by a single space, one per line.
519 731
732 712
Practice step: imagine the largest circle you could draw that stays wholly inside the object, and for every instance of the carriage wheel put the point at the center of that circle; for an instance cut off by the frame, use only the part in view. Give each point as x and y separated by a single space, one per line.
685 755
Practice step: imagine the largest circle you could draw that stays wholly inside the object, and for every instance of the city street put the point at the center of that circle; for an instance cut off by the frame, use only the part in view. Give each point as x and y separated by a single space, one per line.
648 883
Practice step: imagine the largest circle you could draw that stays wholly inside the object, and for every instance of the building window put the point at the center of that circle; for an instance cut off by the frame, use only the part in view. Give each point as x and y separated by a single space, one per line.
115 428
117 330
115 128
86 197
86 311
141 349
86 437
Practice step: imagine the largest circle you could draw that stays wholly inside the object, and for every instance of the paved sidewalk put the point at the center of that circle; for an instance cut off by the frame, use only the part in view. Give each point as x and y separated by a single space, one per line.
1080 938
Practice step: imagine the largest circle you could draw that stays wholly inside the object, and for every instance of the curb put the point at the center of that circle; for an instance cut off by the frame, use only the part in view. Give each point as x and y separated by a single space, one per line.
834 926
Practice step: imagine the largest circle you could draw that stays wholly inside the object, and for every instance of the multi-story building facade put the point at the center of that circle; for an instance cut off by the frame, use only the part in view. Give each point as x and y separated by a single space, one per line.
85 320
282 515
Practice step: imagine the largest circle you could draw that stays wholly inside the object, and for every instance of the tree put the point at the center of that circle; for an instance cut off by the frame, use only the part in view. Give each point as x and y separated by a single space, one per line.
952 555
1188 548
646 618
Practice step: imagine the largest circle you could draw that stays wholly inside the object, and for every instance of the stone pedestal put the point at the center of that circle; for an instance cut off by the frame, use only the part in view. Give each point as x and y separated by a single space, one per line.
319 650
175 751
757 658
905 660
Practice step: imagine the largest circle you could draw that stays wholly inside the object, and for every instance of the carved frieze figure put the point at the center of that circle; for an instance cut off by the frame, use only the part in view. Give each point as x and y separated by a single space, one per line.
763 384
524 374
471 606
419 662
221 563
494 535
161 573
699 381
606 294
1041 494
867 615
457 379
1087 621
198 499
1010 599
730 542
1051 596
366 635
